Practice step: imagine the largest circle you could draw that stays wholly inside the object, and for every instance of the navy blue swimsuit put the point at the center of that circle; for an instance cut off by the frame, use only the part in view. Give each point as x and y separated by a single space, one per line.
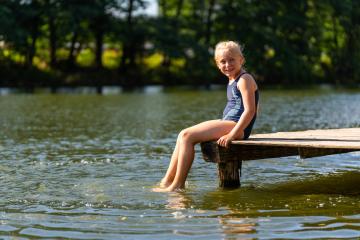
235 107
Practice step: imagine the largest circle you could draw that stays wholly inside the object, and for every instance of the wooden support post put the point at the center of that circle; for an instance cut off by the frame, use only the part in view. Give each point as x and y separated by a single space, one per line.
229 174
229 163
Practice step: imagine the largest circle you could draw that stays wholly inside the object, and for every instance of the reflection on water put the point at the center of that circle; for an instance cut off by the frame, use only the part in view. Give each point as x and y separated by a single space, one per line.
178 201
237 226
83 166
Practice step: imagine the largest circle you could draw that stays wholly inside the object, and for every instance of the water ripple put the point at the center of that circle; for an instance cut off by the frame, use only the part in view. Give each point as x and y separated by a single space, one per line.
82 167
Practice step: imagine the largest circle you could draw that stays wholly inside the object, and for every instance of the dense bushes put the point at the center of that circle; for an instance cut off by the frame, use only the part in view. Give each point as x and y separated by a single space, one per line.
112 42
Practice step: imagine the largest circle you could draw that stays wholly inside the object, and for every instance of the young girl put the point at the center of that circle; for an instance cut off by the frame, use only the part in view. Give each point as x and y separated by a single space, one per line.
238 117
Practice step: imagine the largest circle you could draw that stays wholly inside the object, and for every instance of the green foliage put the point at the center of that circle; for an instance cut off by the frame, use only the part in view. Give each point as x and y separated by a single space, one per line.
285 42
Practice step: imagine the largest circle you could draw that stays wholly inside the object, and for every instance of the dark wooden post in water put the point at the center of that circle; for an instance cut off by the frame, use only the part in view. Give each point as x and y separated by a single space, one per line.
229 163
306 144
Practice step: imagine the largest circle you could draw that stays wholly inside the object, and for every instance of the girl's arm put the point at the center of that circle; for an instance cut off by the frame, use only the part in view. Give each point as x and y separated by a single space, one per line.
247 87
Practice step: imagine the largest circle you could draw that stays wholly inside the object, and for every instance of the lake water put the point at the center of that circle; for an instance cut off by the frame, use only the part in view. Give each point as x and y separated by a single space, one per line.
83 166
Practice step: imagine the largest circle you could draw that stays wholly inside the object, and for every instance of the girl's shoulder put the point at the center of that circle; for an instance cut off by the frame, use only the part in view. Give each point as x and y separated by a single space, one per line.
246 81
246 76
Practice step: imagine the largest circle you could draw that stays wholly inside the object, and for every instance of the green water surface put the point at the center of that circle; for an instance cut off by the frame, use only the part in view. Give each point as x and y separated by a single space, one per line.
83 166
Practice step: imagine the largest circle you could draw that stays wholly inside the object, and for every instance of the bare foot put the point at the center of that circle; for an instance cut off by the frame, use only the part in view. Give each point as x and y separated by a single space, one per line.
167 189
159 189
164 183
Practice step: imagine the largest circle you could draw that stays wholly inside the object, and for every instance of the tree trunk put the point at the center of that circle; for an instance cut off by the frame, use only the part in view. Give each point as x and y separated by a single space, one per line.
209 22
128 49
228 20
335 52
163 8
179 7
32 48
99 49
198 6
167 60
71 58
52 39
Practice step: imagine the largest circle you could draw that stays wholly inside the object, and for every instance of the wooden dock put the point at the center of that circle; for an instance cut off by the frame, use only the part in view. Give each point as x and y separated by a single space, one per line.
306 144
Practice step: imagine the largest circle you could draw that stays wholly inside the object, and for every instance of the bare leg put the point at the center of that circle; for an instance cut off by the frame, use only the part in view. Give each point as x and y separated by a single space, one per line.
171 171
206 131
186 156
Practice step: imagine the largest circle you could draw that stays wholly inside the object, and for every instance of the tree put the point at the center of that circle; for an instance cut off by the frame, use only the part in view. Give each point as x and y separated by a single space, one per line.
22 29
100 19
129 34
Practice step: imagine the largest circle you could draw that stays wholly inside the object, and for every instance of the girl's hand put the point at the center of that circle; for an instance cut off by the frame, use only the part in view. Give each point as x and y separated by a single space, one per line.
225 140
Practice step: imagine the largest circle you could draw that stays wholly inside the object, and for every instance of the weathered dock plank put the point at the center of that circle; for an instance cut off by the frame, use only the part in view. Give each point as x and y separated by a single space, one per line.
306 144
326 138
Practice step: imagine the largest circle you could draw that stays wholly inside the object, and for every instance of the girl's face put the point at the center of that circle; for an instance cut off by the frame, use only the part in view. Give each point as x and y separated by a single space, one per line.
229 63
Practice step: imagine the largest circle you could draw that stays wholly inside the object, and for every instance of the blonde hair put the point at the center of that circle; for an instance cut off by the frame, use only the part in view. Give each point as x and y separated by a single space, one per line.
231 46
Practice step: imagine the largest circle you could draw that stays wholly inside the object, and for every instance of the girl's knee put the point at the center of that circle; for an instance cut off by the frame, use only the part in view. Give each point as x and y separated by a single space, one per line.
186 135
